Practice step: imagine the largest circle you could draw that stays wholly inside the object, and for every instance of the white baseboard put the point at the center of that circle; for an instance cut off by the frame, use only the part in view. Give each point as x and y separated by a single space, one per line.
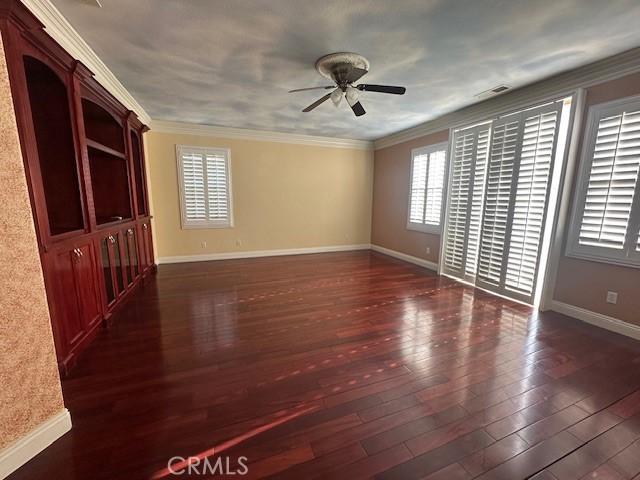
207 257
597 319
407 258
27 447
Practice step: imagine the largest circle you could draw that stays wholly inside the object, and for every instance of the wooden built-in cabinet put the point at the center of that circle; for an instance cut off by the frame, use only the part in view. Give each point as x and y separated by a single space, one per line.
84 159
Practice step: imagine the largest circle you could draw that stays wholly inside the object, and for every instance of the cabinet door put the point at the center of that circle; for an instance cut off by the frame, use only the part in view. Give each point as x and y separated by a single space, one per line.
87 285
147 245
107 267
65 299
116 251
126 258
132 234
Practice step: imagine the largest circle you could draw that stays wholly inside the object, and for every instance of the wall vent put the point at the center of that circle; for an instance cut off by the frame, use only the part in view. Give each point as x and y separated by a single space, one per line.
493 91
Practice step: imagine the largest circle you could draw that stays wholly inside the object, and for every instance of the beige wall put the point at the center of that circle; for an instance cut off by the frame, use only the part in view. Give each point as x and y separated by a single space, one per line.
390 200
284 196
584 283
30 392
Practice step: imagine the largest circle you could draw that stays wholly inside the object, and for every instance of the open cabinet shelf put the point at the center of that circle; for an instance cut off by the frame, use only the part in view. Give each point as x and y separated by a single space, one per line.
84 163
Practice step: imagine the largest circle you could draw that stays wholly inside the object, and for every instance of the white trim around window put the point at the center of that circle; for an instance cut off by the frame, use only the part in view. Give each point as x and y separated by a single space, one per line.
426 188
609 229
204 183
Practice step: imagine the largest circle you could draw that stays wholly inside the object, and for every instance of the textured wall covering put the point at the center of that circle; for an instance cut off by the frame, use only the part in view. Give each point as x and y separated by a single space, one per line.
284 196
391 200
30 392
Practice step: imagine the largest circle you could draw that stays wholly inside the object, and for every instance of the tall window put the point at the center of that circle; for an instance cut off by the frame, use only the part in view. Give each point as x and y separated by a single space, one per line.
426 187
606 219
499 187
205 187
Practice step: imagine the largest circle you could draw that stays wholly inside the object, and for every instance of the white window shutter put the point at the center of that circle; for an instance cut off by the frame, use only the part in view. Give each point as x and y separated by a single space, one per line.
477 201
435 185
426 188
205 191
502 162
612 181
468 172
193 186
457 211
418 188
529 211
217 191
499 189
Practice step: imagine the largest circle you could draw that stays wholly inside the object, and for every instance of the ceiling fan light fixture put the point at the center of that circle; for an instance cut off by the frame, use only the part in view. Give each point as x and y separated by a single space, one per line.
352 95
336 96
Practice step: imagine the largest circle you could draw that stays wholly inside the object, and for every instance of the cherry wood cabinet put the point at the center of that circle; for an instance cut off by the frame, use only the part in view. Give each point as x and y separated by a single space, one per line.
84 158
71 271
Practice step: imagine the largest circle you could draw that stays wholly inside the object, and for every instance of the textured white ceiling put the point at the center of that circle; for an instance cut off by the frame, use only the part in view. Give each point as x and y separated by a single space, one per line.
231 62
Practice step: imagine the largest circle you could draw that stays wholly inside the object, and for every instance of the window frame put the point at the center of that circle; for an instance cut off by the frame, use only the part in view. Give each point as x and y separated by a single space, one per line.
204 224
628 256
428 149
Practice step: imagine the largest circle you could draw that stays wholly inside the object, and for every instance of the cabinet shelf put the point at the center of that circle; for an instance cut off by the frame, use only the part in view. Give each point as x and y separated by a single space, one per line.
103 148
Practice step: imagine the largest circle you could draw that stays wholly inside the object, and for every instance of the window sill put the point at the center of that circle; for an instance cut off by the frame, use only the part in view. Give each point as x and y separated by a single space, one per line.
206 226
619 262
432 229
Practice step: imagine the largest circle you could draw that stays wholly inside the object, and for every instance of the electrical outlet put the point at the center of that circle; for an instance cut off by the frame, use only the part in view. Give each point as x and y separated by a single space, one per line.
428 250
612 297
238 242
203 244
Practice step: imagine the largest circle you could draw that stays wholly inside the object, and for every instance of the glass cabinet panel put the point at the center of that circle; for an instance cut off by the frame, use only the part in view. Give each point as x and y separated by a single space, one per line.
127 256
106 270
115 239
134 253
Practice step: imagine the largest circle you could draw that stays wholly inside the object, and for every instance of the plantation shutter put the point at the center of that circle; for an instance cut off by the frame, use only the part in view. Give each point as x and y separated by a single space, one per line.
497 205
217 191
529 213
193 187
435 186
612 181
466 190
518 179
204 186
464 142
418 188
502 162
477 201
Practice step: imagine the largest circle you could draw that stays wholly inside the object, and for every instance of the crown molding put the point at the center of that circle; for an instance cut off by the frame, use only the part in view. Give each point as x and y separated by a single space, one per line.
260 135
556 86
62 32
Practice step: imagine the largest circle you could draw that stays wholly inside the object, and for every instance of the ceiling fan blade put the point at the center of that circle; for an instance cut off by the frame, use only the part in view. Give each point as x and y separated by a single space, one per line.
311 88
358 109
318 102
354 74
367 87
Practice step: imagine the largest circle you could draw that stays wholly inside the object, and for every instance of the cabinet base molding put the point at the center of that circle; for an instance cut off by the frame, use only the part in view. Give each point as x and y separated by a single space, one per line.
27 447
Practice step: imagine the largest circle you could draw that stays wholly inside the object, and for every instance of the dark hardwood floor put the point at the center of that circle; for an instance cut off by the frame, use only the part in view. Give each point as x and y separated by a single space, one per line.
346 365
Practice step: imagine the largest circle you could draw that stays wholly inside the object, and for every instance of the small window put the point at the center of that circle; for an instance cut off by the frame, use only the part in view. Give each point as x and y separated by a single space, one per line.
205 187
426 188
606 219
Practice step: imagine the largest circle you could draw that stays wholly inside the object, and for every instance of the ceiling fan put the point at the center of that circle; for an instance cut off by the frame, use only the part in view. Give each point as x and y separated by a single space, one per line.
345 69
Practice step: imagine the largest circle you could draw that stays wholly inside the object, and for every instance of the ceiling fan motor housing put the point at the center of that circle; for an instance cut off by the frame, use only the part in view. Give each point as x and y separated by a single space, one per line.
337 66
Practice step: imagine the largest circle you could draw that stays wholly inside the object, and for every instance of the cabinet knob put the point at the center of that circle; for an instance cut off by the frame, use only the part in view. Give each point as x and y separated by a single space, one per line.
145 226
130 232
112 239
